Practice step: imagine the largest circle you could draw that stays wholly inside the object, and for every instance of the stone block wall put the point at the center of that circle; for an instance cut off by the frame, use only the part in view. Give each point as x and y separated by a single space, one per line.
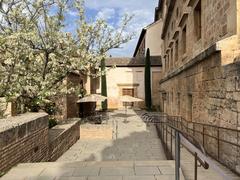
24 139
208 93
89 132
201 70
219 21
62 137
214 91
67 104
27 138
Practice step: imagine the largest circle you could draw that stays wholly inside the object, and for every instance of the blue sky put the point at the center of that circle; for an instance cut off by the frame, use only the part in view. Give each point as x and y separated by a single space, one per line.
112 10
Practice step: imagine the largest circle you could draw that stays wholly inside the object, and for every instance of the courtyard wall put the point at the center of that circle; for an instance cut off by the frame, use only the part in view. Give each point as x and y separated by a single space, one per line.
27 138
23 139
120 78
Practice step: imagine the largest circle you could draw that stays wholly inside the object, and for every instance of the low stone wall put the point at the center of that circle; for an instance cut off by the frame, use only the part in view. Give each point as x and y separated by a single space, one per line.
62 137
27 138
23 138
94 131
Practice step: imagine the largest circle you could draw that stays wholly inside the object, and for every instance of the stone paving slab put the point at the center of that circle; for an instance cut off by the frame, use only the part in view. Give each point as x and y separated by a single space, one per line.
146 170
118 171
136 153
135 141
112 170
86 171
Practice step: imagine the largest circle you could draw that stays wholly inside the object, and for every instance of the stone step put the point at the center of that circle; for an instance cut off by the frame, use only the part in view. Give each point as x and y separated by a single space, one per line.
93 170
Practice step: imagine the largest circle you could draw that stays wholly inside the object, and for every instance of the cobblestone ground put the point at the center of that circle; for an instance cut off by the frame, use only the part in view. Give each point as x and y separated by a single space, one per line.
133 140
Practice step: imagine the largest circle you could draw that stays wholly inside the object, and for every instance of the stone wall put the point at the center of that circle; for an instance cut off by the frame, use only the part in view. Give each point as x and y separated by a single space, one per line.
62 137
201 69
67 104
27 138
102 131
23 139
218 21
207 93
8 109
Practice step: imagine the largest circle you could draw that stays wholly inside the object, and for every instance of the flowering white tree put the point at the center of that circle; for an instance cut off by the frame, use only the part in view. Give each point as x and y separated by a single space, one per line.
36 53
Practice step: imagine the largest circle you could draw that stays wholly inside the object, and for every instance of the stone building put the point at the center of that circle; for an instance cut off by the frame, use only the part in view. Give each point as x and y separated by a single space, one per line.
125 76
150 37
67 104
200 80
200 52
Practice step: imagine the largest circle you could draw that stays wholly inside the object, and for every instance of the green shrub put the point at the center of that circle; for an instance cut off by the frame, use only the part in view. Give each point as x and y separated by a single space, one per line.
52 122
147 80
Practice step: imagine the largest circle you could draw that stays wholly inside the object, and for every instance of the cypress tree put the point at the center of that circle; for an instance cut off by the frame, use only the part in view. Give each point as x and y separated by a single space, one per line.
147 80
103 84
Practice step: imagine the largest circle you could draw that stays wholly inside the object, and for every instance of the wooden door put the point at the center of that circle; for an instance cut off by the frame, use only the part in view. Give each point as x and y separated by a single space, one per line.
128 92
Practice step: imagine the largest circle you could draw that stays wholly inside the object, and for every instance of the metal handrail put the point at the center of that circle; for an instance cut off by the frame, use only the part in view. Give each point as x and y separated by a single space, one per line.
178 125
178 121
218 130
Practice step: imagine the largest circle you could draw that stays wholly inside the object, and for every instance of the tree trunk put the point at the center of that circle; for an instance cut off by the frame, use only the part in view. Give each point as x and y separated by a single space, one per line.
45 65
103 84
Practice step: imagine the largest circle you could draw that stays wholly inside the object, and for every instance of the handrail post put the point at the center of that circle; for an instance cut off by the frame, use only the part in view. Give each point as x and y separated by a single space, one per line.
203 140
218 144
166 137
171 143
195 166
177 155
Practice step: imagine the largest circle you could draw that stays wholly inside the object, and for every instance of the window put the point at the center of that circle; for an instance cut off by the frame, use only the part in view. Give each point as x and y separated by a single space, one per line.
190 104
164 64
128 92
184 39
168 60
197 20
171 57
178 104
172 104
176 50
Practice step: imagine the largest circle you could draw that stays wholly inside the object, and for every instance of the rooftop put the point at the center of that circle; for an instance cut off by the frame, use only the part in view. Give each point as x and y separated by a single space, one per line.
132 61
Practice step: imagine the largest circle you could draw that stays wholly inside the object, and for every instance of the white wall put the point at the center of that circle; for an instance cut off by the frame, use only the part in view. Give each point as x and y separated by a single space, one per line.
153 38
126 75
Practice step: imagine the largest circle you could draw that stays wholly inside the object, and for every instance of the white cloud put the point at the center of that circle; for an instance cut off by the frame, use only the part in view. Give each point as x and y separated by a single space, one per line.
121 4
106 13
143 11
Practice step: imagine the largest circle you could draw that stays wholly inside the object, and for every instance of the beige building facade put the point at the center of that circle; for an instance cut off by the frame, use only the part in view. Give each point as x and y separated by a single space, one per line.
125 76
200 80
150 37
200 53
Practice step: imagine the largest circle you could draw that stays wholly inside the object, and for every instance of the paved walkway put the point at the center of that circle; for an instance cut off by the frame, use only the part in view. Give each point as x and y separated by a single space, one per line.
111 170
133 141
135 153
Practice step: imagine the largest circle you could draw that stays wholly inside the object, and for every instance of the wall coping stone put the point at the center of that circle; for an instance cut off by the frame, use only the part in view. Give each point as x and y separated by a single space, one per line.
16 121
60 129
